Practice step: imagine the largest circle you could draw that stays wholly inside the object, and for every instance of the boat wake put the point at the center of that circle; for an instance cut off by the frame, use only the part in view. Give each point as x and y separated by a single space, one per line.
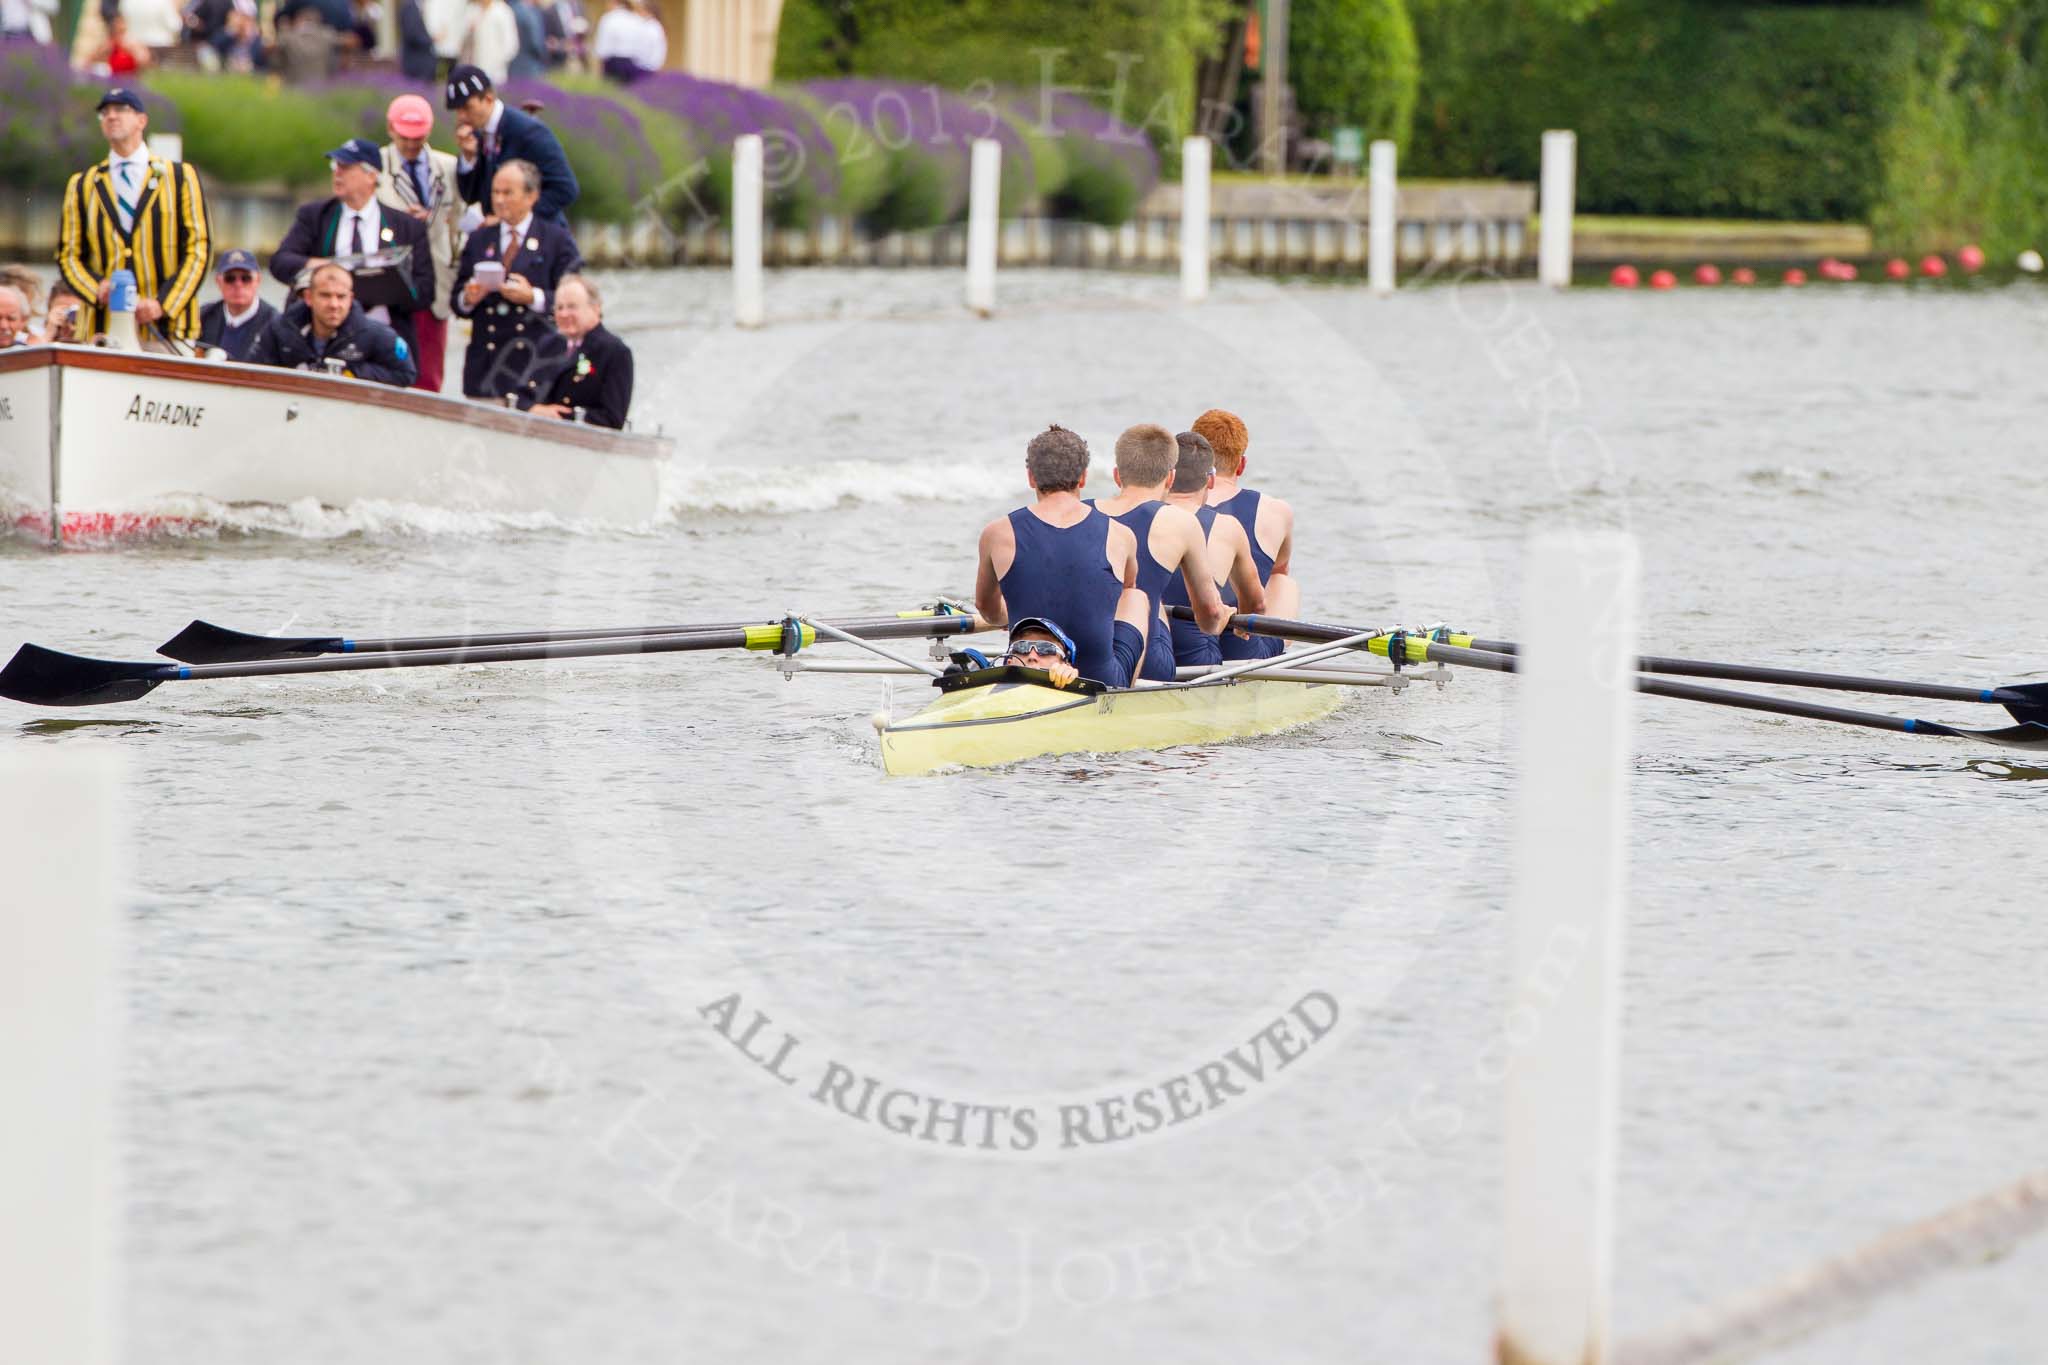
695 488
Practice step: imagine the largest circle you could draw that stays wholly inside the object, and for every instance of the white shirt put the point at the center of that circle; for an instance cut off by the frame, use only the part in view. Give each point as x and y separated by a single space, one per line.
653 47
238 319
372 217
484 136
518 234
617 36
490 38
127 195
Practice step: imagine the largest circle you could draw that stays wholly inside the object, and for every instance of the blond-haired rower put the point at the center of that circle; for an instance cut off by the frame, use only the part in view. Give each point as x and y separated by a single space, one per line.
1267 520
1171 546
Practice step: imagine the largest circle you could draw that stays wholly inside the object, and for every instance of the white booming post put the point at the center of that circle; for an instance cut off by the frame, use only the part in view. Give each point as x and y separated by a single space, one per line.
746 230
1561 1032
1379 221
60 1026
984 213
1560 174
1194 220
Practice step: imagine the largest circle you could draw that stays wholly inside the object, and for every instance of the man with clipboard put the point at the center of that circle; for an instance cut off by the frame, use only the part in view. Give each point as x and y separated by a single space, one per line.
386 251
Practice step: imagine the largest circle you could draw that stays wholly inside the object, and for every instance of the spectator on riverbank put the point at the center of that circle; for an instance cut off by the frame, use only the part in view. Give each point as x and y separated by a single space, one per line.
564 32
388 252
489 135
416 55
14 318
490 38
147 215
532 61
512 345
233 321
420 182
330 332
118 55
594 381
630 42
27 20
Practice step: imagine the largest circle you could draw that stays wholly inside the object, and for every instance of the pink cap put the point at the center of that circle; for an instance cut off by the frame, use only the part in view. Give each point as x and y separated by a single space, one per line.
410 116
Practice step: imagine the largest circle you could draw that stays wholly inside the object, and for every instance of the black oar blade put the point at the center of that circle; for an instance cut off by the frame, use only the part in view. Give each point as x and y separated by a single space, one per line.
43 677
2027 702
204 643
2031 734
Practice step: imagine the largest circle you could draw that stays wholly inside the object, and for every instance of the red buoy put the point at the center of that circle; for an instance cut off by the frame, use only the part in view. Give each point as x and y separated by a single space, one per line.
1897 268
1845 271
1971 258
1624 277
1742 274
1663 279
1707 274
1933 265
1795 276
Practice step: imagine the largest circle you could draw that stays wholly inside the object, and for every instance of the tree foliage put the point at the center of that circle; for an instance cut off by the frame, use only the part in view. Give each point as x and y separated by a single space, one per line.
1354 62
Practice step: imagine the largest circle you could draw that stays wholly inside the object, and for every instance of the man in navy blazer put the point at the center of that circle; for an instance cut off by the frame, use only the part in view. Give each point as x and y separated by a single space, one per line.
513 349
353 223
488 134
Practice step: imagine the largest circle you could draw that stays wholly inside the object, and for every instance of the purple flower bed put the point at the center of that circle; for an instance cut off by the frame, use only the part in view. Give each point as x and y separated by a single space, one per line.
798 161
927 135
1088 132
607 147
47 128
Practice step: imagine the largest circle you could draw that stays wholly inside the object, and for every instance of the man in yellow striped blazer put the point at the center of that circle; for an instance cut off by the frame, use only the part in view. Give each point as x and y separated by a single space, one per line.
136 212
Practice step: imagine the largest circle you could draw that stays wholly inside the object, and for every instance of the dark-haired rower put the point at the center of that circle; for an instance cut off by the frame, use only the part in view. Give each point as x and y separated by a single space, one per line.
1229 552
1065 561
1038 643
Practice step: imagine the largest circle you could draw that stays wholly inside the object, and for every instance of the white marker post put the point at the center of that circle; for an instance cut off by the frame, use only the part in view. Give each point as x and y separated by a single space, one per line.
1194 220
746 230
60 1029
984 213
1379 223
1561 1035
1560 175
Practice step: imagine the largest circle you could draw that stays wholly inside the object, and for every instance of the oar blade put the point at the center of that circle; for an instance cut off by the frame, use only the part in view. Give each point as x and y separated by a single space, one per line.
205 643
2027 702
2032 734
44 677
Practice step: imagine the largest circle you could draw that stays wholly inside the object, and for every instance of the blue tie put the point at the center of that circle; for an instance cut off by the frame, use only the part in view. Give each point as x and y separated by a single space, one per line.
128 184
419 180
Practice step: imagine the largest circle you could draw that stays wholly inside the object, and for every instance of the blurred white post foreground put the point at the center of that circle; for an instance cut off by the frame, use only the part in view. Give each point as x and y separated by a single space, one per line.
746 230
60 1026
1194 220
169 146
1379 218
1560 175
984 210
1561 1032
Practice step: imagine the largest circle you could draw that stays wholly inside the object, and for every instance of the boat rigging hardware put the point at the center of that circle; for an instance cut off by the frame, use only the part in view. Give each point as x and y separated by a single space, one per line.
833 632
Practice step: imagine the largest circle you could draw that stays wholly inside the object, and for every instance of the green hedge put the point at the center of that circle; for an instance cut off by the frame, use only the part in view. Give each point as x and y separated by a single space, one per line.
1698 108
1964 155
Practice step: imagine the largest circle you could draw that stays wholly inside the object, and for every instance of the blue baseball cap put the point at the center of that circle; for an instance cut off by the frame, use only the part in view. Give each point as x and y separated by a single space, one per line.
358 151
1066 641
237 259
121 95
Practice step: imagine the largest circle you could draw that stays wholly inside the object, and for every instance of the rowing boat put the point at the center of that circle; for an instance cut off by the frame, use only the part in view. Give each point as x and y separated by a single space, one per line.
1004 715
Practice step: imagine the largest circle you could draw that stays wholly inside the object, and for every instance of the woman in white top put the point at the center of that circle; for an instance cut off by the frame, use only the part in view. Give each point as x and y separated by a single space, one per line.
490 38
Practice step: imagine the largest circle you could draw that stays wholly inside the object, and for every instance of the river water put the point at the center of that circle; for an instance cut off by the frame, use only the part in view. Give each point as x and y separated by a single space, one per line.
430 968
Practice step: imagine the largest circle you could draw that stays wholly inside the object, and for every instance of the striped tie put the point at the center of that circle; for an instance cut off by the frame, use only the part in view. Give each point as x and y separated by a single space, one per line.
125 199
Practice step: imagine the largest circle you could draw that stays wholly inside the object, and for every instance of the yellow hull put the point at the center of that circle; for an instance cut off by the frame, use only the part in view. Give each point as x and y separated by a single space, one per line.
980 727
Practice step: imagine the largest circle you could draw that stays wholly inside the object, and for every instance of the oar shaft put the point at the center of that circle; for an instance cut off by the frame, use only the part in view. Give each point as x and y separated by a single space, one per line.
757 637
402 643
1796 677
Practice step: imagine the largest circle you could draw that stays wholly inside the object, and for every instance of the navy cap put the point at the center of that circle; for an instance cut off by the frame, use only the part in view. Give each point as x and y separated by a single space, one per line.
121 95
1066 641
465 81
358 151
237 259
